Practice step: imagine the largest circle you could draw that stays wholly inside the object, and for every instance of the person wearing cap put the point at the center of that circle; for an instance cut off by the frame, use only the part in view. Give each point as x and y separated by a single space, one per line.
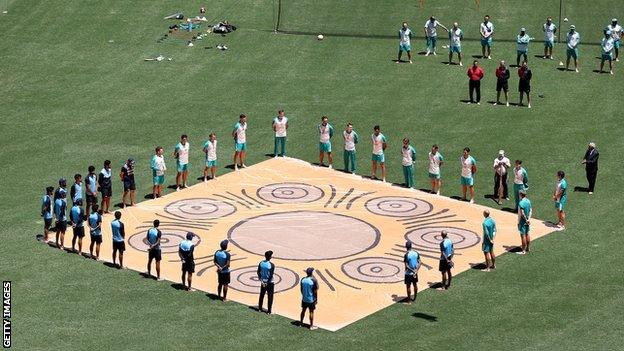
61 188
522 41
127 178
455 37
60 212
405 36
560 196
468 169
431 33
521 181
525 211
181 154
549 37
119 234
475 74
573 38
502 82
524 84
153 238
309 296
590 160
487 31
489 233
105 186
280 128
185 252
607 44
446 260
408 158
222 262
95 231
266 270
412 265
91 190
157 164
75 192
76 218
616 34
501 165
47 212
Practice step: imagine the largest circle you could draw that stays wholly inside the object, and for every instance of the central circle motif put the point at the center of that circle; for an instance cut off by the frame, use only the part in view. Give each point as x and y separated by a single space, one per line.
246 280
302 235
290 193
398 206
200 209
377 270
169 240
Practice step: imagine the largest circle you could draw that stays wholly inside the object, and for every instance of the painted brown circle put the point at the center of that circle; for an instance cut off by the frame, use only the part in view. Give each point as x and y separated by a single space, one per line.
398 206
302 235
378 270
430 237
200 208
246 279
290 193
169 241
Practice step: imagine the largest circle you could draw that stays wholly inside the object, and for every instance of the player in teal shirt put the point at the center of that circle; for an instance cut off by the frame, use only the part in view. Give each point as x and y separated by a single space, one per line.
560 196
95 226
76 216
446 260
119 233
222 262
525 211
309 296
489 233
266 270
412 265
60 212
153 253
46 212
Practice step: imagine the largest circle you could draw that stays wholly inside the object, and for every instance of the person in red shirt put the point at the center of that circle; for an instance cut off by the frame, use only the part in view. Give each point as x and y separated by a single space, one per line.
502 79
475 74
524 86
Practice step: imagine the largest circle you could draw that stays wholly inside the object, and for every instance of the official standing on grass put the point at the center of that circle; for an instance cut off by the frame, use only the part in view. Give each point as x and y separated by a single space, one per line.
185 252
524 85
431 33
489 233
446 260
350 158
475 74
590 160
280 127
573 39
412 265
521 181
309 296
266 270
502 82
222 262
408 154
525 211
501 165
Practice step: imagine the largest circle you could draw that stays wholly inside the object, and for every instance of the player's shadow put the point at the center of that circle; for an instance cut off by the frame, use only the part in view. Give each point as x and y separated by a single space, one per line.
478 266
319 165
146 276
458 198
512 249
539 56
400 299
563 69
581 189
425 190
436 285
514 66
478 56
452 63
149 196
178 286
465 101
421 53
509 209
299 324
172 187
231 166
201 178
111 265
213 297
600 72
120 205
425 316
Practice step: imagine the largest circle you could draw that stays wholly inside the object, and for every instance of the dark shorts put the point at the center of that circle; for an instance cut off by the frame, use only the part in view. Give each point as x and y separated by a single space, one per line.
524 87
79 232
119 246
91 200
96 239
502 86
411 279
223 278
47 223
106 191
61 226
309 305
155 254
129 186
188 266
444 266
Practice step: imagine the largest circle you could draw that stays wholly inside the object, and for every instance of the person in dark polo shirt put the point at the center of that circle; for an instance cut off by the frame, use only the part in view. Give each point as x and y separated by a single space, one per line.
590 160
266 269
127 178
502 82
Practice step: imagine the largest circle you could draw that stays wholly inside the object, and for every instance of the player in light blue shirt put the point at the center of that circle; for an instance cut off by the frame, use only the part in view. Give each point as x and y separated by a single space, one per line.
75 192
522 41
95 226
47 212
185 251
119 233
222 262
309 296
266 270
154 253
446 260
412 265
489 232
60 212
525 211
76 216
561 196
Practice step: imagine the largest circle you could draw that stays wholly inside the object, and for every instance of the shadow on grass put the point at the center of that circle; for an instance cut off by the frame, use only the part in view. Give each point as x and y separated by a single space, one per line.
512 249
581 189
478 266
425 316
111 265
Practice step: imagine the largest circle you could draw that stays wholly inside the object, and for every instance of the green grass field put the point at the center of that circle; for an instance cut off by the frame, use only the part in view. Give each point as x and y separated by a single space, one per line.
74 91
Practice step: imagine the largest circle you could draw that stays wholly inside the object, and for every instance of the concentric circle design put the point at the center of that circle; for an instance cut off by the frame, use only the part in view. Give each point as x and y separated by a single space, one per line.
169 241
398 206
200 208
378 270
246 279
430 237
302 235
290 193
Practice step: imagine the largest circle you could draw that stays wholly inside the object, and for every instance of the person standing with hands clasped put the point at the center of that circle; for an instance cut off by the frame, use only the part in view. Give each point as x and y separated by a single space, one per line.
501 165
590 160
502 83
524 85
475 74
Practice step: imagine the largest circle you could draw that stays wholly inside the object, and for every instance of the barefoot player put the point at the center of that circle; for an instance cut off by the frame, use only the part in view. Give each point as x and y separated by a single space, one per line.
350 139
560 196
489 233
240 141
446 260
309 296
379 146
210 149
412 265
326 132
435 162
153 253
525 211
222 262
469 168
